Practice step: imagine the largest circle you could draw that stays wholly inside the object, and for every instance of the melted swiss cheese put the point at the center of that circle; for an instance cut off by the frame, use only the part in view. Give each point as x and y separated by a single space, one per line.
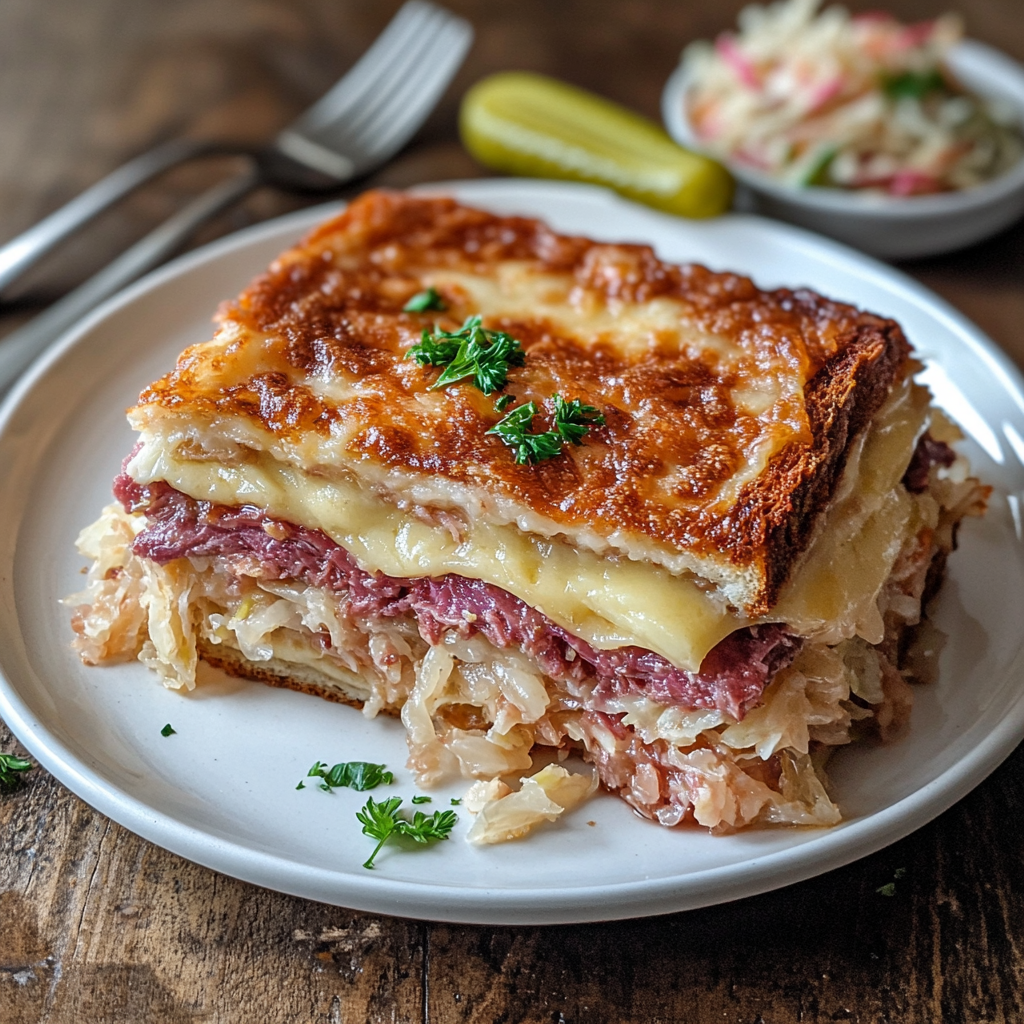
608 601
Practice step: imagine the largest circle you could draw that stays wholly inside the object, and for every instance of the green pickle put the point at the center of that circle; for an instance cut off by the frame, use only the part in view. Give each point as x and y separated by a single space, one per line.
523 123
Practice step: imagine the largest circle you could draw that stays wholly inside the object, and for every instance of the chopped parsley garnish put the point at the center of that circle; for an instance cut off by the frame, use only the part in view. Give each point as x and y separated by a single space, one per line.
573 419
422 800
514 429
503 403
571 422
11 767
889 889
456 801
168 730
473 352
358 775
434 349
421 302
381 821
913 84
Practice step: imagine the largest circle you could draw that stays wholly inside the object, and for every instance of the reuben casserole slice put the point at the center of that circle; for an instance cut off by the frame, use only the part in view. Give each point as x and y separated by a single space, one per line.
699 558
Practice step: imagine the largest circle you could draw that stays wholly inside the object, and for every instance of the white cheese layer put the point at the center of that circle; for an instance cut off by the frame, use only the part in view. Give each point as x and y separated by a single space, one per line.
608 601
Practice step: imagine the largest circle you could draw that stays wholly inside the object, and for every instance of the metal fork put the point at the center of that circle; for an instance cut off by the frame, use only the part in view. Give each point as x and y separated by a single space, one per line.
362 121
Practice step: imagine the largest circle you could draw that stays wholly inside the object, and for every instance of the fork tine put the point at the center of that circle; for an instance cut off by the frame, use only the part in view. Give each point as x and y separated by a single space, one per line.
409 104
403 73
407 112
371 112
375 66
381 127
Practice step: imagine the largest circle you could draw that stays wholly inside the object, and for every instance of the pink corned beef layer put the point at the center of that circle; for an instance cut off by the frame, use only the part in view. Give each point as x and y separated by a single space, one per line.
732 677
928 453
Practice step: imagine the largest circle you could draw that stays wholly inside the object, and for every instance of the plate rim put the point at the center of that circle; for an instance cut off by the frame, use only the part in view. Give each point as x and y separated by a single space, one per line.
830 849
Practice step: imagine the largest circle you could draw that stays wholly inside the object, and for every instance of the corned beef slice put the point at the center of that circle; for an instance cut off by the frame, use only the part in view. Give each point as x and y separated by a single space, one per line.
928 453
732 677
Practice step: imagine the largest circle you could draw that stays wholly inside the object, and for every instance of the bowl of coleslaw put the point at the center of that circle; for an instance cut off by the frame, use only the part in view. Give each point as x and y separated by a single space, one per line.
902 140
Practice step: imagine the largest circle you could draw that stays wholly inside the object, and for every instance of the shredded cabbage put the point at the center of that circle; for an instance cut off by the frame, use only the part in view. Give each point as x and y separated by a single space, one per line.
858 102
541 797
476 711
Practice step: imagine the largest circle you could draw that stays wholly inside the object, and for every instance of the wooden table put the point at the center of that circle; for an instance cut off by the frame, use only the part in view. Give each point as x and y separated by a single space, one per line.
99 925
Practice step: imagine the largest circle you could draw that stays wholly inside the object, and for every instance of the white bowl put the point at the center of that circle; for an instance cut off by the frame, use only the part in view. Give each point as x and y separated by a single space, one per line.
887 226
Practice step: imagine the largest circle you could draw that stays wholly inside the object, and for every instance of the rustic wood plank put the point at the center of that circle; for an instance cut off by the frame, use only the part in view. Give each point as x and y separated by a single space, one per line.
945 947
98 925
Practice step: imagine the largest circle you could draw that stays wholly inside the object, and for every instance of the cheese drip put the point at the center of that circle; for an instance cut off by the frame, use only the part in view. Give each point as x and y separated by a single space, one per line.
608 601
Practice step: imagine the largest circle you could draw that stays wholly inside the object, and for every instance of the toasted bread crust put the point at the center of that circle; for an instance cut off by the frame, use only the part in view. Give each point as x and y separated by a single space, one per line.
777 513
311 359
277 672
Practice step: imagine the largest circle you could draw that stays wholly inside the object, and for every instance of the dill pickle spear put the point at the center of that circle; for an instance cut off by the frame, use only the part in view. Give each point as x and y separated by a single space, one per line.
524 123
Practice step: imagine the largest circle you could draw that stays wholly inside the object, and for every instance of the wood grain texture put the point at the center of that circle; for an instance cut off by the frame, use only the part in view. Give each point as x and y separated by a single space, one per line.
97 925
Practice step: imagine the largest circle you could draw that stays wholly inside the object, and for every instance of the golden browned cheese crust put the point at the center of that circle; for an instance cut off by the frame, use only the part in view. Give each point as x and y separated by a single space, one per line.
730 410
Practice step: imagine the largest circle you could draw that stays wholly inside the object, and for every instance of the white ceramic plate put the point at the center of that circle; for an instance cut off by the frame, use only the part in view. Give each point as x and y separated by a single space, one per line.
222 790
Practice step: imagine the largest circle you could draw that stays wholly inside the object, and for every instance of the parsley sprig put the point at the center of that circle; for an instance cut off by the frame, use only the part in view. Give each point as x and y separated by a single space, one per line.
358 775
913 84
423 301
11 767
381 821
889 889
513 428
572 420
472 352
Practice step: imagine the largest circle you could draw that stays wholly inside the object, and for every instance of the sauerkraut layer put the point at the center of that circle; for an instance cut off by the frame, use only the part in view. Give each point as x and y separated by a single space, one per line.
474 707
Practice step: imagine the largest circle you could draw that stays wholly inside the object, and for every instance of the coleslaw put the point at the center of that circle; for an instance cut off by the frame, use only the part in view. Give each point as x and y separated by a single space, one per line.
854 102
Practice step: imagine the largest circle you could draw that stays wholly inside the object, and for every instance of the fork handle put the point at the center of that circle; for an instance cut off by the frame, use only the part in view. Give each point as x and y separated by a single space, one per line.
30 246
19 348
